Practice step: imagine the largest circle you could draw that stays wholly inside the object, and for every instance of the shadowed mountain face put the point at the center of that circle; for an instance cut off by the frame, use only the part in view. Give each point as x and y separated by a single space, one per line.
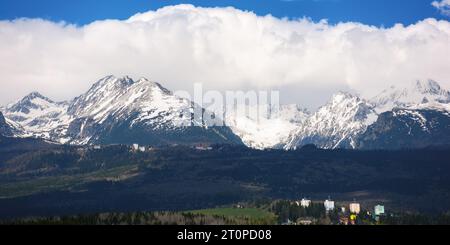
5 128
407 129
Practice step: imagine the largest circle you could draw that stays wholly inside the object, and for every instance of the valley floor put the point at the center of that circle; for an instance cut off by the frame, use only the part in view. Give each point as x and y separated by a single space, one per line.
64 180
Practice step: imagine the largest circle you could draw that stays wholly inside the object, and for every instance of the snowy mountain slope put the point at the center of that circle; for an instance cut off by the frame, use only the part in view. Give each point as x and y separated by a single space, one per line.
337 124
415 95
121 97
5 128
16 129
263 128
38 116
120 110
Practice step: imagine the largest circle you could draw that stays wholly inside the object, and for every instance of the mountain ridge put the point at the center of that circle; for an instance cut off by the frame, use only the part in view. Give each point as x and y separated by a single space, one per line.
122 110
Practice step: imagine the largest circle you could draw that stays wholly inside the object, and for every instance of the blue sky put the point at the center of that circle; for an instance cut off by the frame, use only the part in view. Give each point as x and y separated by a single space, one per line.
373 12
224 49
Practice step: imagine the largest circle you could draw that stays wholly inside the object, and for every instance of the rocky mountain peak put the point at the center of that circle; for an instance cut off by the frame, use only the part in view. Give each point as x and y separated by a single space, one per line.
33 101
410 95
430 87
34 95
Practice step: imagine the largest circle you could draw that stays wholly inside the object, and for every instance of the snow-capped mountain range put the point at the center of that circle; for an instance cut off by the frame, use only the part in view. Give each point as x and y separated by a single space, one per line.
343 122
121 110
418 94
337 124
114 110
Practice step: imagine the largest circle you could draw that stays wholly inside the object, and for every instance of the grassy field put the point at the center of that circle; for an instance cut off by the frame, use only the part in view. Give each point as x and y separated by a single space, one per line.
65 182
233 213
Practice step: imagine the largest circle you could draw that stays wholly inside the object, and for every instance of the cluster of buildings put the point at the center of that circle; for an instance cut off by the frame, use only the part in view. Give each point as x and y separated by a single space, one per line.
329 205
306 203
354 209
203 147
138 148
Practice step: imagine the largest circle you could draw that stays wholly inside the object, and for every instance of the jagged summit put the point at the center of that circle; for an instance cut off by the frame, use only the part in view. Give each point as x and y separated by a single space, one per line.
34 95
32 101
123 82
123 96
36 115
430 87
110 82
342 95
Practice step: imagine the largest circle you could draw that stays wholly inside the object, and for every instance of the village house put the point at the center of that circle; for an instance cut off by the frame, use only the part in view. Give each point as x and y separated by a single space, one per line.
203 148
329 205
355 208
379 210
136 148
305 203
343 220
304 221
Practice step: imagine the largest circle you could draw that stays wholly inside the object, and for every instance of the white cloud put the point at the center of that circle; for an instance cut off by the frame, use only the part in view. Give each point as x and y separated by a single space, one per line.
443 6
224 48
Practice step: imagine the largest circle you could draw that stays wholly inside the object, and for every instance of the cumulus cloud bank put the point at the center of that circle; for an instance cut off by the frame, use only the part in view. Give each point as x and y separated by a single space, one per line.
224 48
443 6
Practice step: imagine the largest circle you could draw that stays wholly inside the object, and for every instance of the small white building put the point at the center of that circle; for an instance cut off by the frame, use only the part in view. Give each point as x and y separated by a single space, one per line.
135 147
203 148
379 210
355 208
305 203
142 148
329 205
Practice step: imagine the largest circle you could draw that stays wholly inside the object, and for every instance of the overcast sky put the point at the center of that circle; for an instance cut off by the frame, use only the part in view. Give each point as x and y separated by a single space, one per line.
224 48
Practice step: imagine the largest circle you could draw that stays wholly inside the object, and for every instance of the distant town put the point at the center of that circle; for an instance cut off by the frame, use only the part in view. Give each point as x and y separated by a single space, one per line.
145 148
347 214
